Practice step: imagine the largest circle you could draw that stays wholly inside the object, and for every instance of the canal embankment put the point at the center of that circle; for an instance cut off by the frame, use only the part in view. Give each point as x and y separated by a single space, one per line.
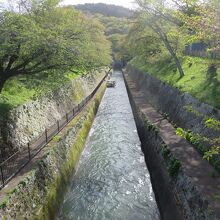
112 180
24 124
178 172
42 184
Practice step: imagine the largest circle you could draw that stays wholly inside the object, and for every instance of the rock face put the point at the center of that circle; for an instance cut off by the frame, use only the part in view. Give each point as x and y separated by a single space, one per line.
184 110
28 121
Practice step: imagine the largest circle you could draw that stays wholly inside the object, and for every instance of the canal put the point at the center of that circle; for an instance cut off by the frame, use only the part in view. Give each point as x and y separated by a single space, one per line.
112 181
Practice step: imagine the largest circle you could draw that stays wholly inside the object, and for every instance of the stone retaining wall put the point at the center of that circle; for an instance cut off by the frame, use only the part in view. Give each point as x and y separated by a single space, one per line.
184 110
176 195
39 195
28 121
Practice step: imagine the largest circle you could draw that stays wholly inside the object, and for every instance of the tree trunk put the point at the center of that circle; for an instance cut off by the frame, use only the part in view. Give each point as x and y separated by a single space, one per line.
173 54
166 42
3 79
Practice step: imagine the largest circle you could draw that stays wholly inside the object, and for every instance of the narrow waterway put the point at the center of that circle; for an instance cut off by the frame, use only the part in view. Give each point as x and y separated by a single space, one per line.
112 181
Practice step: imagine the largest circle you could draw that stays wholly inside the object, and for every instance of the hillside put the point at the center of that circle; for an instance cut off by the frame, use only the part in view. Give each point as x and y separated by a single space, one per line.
116 20
195 82
104 9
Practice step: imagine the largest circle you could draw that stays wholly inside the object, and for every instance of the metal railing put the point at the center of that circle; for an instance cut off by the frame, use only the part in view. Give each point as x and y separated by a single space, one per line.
16 162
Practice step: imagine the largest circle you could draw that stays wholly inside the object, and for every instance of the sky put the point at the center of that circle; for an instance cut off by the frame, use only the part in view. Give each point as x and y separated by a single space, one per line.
125 3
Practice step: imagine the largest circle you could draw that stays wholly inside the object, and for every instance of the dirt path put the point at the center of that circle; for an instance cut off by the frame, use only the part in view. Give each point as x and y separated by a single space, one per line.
199 170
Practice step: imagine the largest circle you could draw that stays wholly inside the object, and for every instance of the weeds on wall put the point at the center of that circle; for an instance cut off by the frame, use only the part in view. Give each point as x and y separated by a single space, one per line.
211 154
212 123
174 164
151 127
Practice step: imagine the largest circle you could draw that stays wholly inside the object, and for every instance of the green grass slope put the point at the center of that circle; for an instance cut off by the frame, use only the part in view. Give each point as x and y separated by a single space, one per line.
19 90
195 82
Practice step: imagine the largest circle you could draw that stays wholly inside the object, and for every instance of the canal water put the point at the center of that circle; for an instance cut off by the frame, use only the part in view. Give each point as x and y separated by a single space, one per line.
111 181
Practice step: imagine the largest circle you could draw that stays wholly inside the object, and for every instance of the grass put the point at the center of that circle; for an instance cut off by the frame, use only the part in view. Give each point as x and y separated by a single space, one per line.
195 82
22 89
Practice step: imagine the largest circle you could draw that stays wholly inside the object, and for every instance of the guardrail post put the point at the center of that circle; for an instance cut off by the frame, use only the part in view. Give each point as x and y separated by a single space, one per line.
58 125
29 152
2 175
46 136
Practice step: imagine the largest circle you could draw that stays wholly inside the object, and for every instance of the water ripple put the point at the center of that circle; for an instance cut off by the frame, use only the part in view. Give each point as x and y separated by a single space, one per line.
112 181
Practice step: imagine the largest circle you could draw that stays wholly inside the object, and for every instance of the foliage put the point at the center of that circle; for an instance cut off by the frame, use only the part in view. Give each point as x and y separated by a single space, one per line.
116 21
181 132
106 10
199 19
166 151
115 29
159 36
23 88
46 37
212 123
195 81
114 25
174 167
150 126
195 139
154 17
45 46
199 24
211 154
174 164
214 150
57 138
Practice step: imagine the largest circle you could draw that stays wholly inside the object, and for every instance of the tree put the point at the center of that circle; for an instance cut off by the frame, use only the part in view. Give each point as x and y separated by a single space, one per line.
158 18
44 37
140 41
116 28
200 24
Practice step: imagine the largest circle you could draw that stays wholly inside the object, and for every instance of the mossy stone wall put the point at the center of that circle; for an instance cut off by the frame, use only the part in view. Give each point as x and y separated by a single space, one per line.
39 195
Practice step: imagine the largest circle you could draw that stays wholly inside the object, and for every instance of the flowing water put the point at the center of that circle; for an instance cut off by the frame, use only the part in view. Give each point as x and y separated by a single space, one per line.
112 181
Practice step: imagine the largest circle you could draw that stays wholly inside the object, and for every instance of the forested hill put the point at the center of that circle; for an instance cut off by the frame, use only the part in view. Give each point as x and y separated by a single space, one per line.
106 10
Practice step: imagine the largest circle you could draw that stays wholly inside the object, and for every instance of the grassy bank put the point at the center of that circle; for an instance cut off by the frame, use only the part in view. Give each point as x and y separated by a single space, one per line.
19 90
196 81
